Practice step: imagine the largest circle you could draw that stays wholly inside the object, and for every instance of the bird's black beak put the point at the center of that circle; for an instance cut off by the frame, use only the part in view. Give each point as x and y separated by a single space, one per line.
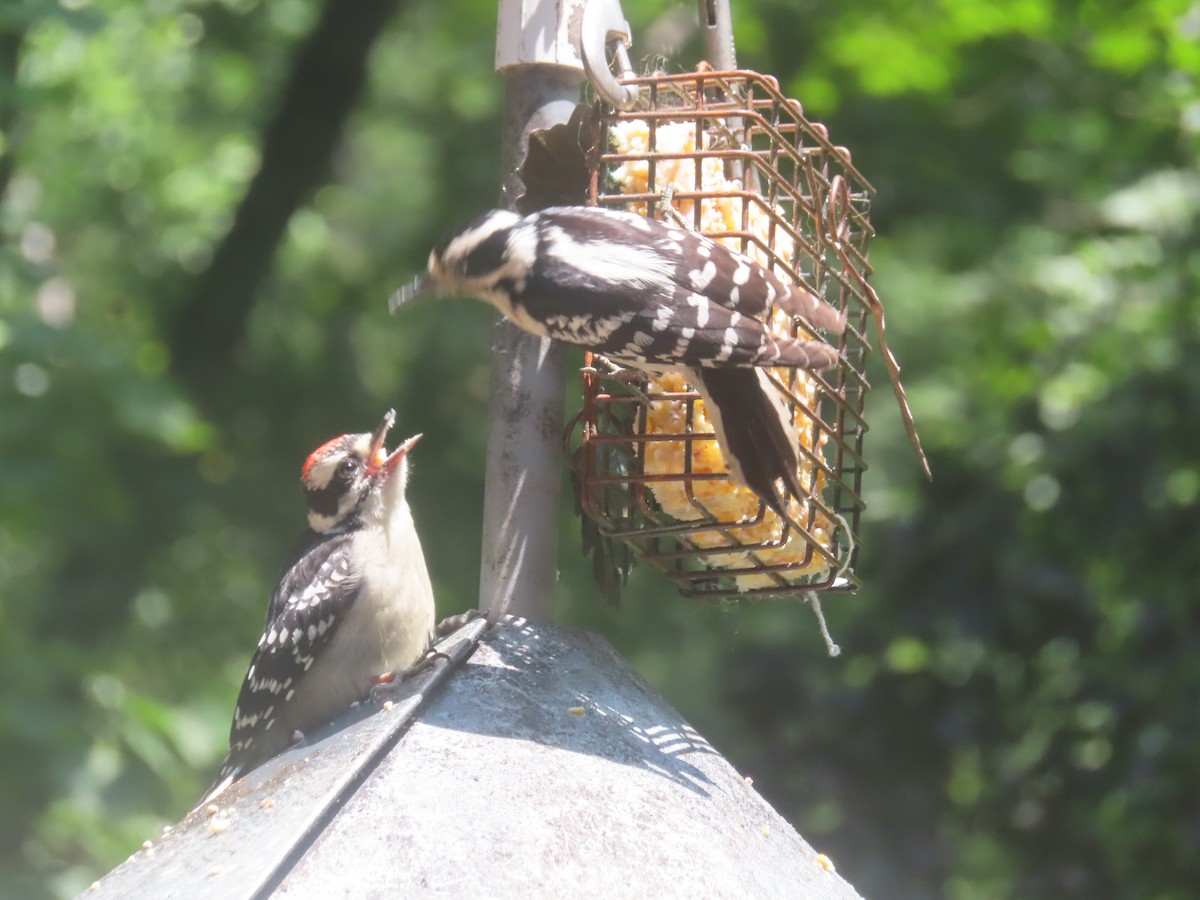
410 291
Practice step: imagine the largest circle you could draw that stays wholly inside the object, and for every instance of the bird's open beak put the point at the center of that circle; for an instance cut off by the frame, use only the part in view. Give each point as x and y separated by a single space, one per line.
410 291
379 461
376 454
388 466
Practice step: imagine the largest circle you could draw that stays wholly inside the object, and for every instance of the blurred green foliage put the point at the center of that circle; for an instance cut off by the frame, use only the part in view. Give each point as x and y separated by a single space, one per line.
1015 713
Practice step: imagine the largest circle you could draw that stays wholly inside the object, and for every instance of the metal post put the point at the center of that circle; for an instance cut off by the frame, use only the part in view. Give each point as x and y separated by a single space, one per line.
717 25
519 565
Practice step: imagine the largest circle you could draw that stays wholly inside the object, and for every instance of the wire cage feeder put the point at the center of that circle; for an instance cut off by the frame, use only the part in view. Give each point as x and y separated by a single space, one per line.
726 154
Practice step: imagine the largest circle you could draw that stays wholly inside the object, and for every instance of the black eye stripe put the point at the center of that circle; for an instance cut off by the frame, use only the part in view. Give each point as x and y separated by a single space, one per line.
324 502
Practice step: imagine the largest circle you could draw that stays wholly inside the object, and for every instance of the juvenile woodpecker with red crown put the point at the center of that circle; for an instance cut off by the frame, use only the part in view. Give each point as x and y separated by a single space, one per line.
656 297
352 608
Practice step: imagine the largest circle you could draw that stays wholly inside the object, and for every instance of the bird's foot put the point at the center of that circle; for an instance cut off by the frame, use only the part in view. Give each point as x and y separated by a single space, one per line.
668 210
387 686
608 368
451 624
633 380
425 663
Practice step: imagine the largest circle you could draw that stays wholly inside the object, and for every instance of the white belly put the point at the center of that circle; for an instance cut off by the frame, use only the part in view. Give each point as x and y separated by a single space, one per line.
387 629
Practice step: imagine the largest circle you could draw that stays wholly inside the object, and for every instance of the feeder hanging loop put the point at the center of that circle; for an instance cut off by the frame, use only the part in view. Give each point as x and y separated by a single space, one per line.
603 24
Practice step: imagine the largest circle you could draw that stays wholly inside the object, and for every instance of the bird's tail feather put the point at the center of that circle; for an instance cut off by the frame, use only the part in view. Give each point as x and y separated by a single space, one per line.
753 427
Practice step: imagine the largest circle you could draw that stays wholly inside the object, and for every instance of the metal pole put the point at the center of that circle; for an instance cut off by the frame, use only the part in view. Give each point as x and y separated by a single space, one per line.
718 34
523 476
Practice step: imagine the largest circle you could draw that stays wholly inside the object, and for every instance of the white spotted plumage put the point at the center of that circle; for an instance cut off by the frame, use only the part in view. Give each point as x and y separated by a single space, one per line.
629 275
650 294
353 605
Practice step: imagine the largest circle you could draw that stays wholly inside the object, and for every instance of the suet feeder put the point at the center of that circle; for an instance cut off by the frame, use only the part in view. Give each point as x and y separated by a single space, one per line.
726 154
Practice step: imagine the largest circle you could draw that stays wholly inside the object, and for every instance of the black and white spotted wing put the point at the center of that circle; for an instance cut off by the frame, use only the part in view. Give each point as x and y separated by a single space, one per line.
308 605
693 262
634 288
683 328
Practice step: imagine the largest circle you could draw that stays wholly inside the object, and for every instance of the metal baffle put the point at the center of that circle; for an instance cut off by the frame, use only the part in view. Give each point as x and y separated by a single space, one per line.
542 74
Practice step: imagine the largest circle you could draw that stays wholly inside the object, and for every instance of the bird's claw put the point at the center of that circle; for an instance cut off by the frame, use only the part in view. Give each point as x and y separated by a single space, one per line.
451 624
387 686
425 663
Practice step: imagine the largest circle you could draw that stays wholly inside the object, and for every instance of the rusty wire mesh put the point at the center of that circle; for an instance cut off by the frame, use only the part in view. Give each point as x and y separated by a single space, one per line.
737 161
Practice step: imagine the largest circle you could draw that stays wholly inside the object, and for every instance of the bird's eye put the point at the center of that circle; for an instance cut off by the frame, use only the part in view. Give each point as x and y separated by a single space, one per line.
347 466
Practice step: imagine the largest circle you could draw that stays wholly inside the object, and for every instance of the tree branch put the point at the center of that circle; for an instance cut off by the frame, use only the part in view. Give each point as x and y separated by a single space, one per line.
324 85
10 55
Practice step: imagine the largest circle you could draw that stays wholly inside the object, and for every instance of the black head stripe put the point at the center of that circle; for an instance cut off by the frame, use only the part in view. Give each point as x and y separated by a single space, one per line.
327 501
478 248
487 256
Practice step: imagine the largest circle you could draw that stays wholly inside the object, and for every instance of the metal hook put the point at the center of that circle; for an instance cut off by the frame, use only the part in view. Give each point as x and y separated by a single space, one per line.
603 24
837 208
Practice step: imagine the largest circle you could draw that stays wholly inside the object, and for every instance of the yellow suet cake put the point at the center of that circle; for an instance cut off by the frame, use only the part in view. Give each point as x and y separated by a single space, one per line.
725 499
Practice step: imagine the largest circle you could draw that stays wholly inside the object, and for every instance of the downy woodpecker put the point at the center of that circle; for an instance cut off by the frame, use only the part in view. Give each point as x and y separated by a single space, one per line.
656 297
353 606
